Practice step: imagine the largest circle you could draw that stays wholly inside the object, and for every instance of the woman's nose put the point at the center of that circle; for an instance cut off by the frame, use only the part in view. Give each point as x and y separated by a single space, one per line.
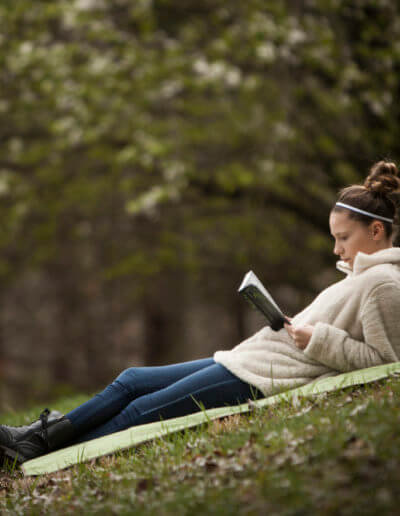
337 249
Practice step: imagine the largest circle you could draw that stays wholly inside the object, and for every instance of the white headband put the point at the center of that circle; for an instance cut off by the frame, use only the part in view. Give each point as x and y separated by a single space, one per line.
369 214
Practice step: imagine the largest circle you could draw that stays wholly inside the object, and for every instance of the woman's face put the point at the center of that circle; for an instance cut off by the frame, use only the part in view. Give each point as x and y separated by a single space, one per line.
352 236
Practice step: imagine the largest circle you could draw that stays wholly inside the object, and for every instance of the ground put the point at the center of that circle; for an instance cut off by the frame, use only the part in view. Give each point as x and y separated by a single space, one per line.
336 453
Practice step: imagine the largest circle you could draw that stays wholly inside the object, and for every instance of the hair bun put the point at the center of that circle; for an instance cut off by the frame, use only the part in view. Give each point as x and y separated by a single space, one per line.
383 178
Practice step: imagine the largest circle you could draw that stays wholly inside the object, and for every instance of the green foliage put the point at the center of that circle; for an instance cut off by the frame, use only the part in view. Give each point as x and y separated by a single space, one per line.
116 110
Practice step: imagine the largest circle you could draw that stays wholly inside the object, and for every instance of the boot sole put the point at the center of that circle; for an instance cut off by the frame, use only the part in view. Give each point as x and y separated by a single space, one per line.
12 454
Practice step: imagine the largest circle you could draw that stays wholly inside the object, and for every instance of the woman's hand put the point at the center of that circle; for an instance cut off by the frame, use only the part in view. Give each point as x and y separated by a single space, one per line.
300 334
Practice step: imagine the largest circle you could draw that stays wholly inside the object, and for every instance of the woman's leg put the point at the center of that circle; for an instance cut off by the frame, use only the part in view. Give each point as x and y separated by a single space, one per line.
130 384
213 386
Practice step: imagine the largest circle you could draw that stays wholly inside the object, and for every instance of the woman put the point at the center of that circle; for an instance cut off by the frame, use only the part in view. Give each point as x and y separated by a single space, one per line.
352 324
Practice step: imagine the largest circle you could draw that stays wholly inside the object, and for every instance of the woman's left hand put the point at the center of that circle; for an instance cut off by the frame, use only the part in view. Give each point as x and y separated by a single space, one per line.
300 334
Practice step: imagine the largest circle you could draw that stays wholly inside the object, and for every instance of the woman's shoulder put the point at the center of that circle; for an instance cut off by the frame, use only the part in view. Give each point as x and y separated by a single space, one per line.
381 280
381 274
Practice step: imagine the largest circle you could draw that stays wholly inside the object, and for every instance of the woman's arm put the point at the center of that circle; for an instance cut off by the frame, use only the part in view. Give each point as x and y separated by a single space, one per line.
380 319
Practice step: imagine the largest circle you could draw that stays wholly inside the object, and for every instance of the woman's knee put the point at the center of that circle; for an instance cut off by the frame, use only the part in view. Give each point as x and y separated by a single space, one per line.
127 376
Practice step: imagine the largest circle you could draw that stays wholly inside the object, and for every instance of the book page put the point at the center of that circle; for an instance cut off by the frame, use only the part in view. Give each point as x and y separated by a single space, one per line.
251 279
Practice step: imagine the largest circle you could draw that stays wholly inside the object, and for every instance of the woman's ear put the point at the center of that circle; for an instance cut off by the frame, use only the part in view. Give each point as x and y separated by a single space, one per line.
377 230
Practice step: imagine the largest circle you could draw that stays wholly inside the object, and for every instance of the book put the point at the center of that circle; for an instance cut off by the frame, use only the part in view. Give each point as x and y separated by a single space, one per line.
257 295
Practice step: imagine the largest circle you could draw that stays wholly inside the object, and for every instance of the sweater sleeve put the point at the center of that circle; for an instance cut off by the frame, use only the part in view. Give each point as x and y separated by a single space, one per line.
380 318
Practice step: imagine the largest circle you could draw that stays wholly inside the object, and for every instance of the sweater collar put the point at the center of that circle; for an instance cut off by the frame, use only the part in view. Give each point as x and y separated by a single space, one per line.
364 261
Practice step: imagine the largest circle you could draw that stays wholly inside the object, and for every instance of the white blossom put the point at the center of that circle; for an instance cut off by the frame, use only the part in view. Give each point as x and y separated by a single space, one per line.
25 48
266 51
233 77
296 36
87 5
218 70
170 88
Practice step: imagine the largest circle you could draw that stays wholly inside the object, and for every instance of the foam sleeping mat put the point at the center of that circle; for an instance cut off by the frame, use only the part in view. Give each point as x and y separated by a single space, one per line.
138 434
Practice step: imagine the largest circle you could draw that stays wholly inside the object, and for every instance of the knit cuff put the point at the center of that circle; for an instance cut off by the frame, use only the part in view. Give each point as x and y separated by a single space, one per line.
314 348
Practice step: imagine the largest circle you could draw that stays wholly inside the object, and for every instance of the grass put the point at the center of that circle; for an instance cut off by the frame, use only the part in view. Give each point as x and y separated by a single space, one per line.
336 453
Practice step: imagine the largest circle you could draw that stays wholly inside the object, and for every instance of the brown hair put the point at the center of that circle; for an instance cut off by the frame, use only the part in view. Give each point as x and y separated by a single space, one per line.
376 195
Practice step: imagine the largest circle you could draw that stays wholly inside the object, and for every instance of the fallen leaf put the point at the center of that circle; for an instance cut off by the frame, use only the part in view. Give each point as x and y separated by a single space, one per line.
359 408
357 447
301 412
143 484
295 400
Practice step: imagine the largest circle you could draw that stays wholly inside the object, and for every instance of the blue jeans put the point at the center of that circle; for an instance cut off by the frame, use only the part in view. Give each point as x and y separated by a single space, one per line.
145 394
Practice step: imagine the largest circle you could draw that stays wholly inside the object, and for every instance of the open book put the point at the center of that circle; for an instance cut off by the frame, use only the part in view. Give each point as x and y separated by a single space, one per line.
255 292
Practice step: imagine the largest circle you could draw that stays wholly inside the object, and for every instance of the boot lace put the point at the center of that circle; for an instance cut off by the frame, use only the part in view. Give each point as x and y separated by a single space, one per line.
44 419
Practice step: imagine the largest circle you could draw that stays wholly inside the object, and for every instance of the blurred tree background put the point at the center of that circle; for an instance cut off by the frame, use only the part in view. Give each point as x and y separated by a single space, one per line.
153 152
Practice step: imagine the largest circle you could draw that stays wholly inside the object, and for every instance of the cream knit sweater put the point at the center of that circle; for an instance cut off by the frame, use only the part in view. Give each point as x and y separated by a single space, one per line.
356 325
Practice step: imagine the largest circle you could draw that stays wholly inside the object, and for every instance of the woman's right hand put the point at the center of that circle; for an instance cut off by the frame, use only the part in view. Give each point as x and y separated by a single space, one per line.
300 334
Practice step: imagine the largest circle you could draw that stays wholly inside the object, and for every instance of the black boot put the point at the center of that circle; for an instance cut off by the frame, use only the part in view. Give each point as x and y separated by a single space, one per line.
50 436
8 433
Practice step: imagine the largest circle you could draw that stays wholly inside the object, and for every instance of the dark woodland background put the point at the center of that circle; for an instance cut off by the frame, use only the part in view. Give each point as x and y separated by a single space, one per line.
153 152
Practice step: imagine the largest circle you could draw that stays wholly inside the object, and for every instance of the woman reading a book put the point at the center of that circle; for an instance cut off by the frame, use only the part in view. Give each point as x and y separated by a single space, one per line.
352 324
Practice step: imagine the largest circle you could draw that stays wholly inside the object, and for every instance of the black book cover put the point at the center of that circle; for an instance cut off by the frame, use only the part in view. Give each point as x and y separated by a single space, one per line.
254 291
